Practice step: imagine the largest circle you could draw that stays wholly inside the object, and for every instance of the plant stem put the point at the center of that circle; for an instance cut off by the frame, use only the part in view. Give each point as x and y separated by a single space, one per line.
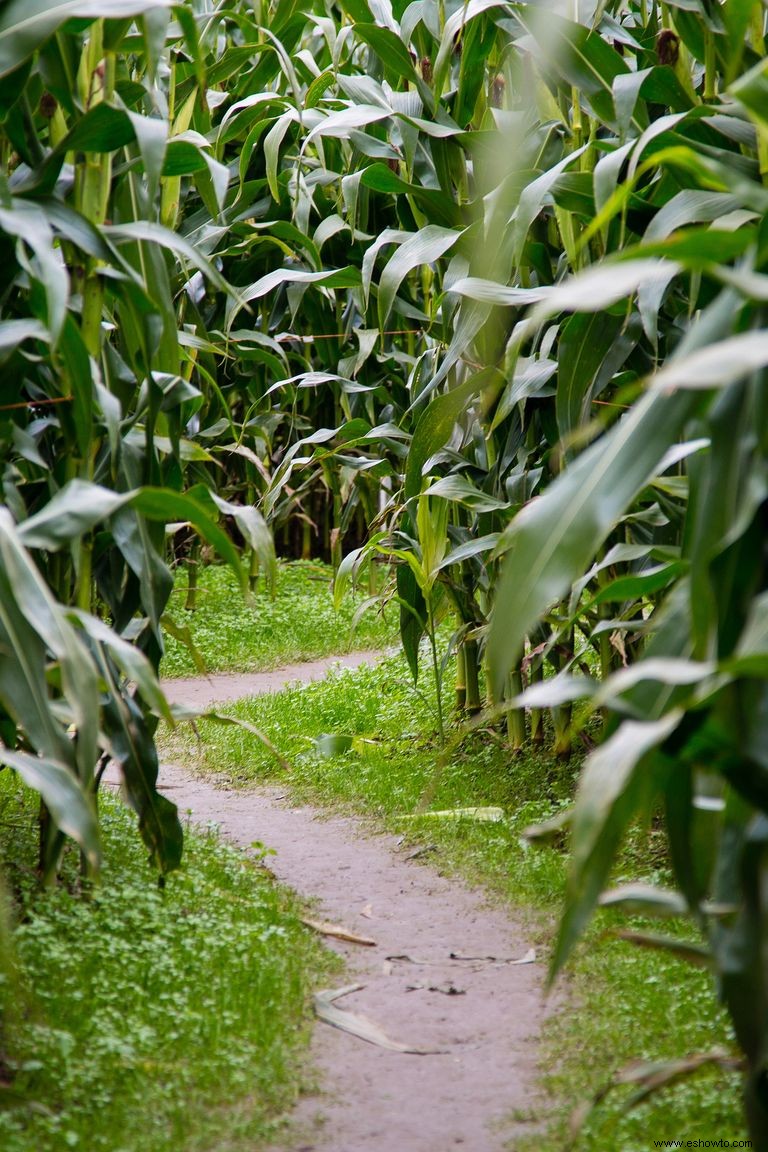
192 565
474 703
710 66
515 716
461 682
435 668
537 714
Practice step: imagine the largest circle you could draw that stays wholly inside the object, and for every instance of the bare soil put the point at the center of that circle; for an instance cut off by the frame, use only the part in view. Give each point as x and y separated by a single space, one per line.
441 975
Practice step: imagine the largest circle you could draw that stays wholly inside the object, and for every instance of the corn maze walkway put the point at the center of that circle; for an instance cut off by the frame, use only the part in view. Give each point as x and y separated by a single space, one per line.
448 973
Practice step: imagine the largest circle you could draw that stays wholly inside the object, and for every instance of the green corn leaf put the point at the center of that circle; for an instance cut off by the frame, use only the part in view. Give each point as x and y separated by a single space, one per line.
341 123
391 50
645 898
617 781
130 660
28 223
463 491
26 24
585 341
167 506
693 206
435 426
413 616
156 234
716 365
15 332
425 247
348 277
453 26
74 510
470 549
751 90
581 57
133 750
254 528
553 539
65 796
38 607
33 626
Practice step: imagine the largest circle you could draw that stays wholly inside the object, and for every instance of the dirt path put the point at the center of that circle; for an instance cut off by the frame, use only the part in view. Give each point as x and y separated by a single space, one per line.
202 691
482 1014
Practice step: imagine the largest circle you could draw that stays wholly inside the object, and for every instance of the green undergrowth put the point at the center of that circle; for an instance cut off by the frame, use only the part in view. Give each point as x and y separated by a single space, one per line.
261 630
144 1019
622 1003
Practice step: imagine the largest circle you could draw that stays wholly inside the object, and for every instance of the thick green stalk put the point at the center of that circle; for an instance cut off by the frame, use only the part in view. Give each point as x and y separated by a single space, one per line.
710 66
757 28
192 565
254 569
605 647
461 680
93 189
561 715
515 716
537 714
473 703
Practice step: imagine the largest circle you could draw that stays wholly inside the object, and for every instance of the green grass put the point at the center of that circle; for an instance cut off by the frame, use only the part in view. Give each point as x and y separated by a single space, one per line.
622 1003
248 634
148 1020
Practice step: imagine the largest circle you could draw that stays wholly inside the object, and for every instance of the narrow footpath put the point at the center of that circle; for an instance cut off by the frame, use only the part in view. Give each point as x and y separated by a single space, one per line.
445 973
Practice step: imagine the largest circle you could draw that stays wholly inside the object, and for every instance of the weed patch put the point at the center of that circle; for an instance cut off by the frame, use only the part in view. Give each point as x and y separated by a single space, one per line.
263 631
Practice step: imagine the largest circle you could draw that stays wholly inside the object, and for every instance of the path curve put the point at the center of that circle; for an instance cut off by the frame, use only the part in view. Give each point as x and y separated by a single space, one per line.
484 1014
220 687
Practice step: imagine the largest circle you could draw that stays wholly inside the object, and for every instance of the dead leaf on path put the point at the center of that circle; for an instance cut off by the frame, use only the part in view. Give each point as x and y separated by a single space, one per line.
325 928
421 851
360 1026
445 989
528 958
367 912
404 958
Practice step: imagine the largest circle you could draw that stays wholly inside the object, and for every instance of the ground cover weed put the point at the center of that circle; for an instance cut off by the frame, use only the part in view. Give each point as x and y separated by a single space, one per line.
298 623
154 1019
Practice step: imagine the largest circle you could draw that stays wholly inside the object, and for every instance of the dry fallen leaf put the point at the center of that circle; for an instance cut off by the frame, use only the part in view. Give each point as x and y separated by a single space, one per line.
360 1026
325 928
528 958
404 958
445 989
417 852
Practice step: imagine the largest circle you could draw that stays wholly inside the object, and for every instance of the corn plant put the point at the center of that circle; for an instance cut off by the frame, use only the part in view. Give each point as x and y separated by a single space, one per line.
101 396
652 531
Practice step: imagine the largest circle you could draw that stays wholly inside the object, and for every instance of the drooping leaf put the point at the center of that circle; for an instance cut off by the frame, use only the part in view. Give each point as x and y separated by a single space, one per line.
69 802
617 780
425 247
26 24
